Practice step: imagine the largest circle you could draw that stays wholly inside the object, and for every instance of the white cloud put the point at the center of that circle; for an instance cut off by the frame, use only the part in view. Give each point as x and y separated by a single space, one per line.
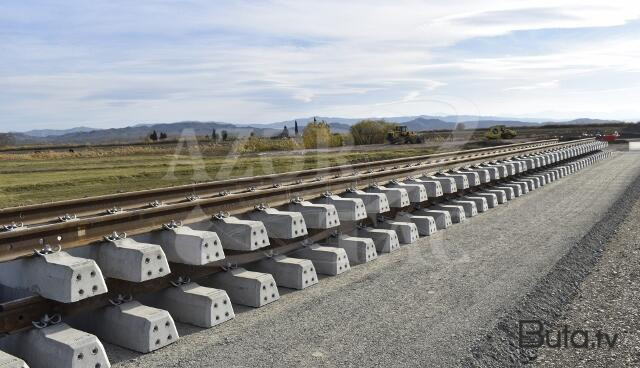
249 61
544 85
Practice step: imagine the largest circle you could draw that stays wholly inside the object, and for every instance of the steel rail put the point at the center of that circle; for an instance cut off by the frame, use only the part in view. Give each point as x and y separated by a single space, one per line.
21 242
16 315
49 212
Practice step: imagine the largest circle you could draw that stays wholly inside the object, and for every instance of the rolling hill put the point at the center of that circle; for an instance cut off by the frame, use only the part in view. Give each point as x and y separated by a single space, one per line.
138 132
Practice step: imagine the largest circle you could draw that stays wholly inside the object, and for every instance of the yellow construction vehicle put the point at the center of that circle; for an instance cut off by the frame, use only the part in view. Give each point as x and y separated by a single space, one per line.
400 135
500 132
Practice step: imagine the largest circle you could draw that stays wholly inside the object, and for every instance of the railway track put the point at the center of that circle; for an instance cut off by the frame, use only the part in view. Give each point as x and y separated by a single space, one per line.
121 268
101 205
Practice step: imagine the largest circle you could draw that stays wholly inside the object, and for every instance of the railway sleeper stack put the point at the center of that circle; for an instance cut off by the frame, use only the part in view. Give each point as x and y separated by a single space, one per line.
363 224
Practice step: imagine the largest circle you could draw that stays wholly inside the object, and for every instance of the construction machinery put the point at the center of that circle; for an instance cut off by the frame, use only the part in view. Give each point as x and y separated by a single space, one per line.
500 132
400 135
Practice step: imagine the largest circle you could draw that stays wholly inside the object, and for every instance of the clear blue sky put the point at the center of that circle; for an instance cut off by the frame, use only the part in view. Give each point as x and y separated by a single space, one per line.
116 63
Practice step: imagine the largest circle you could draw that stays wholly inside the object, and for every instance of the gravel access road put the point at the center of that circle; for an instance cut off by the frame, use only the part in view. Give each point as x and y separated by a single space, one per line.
608 300
447 300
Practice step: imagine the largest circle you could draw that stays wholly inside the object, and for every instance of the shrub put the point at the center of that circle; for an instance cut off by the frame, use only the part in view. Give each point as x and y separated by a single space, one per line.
256 144
337 140
316 135
370 131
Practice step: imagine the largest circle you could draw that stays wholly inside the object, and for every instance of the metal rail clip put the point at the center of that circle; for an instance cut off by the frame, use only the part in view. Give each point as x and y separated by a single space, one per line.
172 225
193 198
47 320
121 299
229 267
12 226
114 210
260 207
47 249
67 217
270 253
181 280
220 215
115 236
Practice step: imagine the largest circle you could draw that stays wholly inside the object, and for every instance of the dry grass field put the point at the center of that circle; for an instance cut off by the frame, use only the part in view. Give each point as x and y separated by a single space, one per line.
50 175
45 174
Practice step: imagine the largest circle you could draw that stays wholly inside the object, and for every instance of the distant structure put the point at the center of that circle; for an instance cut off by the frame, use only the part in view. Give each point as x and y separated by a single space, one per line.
285 132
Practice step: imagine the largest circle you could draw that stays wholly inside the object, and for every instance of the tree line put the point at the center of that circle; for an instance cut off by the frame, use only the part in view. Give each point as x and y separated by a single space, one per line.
317 134
154 136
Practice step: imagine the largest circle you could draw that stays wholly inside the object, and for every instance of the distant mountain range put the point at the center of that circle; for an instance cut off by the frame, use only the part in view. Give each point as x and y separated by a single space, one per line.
56 132
134 133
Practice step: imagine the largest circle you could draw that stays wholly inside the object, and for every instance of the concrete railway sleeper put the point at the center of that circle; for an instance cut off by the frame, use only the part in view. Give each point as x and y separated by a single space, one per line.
18 241
301 240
